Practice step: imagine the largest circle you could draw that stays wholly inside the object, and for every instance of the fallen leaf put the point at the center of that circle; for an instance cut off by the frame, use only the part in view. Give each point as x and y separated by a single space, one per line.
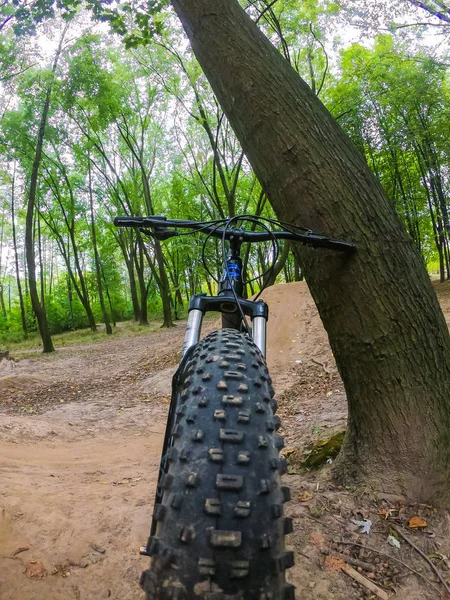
35 570
416 522
392 541
386 512
305 496
364 525
288 451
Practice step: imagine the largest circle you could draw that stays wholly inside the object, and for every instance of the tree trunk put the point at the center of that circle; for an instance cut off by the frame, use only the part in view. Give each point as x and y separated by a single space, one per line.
139 264
41 262
298 276
38 309
270 278
98 271
111 309
385 326
70 297
127 247
164 287
81 288
2 300
133 291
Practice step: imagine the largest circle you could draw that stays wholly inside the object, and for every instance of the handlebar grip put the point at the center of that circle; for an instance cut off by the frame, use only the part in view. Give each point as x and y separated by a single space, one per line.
128 221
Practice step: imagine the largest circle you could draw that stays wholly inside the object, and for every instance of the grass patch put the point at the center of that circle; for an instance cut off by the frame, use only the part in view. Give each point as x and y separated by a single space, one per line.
20 347
80 336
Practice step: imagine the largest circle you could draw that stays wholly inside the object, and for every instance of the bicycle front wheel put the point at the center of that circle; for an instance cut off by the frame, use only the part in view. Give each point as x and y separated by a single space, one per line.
220 525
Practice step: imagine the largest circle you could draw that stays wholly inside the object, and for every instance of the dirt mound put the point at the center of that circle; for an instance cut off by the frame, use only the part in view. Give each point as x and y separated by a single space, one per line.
8 365
159 384
14 377
294 330
19 383
443 293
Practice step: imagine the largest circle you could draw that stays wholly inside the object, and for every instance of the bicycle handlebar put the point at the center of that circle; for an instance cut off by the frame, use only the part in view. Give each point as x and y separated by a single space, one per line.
159 224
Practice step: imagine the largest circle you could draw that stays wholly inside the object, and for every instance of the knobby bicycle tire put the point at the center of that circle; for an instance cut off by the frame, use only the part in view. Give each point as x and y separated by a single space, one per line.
220 526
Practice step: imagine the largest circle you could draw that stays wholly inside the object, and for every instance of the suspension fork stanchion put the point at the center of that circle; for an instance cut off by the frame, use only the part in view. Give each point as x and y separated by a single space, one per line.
259 325
193 330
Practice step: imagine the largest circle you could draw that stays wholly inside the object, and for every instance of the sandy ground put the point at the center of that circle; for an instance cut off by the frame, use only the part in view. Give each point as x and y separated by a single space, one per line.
80 439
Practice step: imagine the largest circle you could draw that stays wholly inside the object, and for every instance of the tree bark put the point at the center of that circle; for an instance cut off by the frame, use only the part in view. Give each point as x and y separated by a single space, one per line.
385 326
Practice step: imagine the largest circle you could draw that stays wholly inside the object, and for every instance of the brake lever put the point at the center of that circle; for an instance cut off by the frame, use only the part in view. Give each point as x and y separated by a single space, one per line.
159 234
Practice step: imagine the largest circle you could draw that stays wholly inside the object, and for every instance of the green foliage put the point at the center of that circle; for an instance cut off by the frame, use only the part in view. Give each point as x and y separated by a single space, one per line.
395 107
139 132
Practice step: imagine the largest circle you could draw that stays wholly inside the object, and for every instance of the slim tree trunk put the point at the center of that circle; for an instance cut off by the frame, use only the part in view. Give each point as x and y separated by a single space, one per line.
38 309
297 271
271 276
70 298
164 286
96 257
81 287
2 300
41 262
134 294
139 264
111 310
25 271
385 326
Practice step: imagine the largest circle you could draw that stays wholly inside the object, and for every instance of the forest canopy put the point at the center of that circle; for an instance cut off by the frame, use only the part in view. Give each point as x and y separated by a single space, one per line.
116 109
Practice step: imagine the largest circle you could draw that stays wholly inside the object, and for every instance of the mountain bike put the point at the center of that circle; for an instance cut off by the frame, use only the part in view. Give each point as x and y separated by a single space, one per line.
218 529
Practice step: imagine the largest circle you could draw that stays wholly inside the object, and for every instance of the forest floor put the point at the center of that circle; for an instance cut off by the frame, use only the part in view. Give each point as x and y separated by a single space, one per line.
80 438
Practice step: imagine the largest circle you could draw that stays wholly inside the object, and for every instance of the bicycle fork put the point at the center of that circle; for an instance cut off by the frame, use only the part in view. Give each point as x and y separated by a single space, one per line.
194 326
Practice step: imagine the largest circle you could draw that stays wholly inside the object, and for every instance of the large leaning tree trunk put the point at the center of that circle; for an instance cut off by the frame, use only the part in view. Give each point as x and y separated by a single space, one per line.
385 326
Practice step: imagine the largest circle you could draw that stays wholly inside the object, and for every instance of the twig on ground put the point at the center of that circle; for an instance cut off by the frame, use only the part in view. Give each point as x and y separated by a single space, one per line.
423 555
314 519
369 585
327 371
395 560
355 562
329 511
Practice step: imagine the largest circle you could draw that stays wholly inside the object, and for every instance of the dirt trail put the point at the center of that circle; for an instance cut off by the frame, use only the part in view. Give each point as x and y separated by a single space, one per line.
80 439
66 502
